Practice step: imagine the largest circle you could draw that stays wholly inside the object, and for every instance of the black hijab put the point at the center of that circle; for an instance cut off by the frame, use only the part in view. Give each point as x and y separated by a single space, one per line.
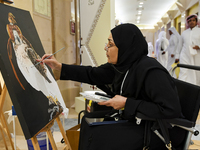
132 57
131 44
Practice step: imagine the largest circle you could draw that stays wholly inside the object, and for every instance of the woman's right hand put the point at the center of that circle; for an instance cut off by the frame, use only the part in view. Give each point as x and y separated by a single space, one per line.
51 62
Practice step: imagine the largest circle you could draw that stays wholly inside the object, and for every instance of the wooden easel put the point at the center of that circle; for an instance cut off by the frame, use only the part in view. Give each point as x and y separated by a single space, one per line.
47 129
2 1
3 124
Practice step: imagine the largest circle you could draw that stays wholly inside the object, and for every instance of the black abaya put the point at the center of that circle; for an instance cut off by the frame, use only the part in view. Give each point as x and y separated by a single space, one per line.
148 87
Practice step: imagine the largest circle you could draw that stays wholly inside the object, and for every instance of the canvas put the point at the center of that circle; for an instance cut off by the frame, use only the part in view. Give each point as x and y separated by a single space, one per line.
33 90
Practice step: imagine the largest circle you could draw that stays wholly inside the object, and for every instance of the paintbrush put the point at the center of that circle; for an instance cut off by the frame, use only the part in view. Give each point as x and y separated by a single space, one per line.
49 56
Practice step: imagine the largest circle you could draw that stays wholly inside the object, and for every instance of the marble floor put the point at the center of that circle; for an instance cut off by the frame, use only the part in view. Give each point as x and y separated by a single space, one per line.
21 143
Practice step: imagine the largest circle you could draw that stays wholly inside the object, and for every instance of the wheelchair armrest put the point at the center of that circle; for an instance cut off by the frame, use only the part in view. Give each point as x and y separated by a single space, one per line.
174 121
181 122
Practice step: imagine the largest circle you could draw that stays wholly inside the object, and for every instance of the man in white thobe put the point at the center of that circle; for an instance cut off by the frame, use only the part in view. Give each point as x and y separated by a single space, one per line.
150 50
161 44
190 53
174 47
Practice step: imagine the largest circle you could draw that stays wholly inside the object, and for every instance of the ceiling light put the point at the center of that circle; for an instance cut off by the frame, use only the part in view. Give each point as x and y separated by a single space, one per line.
139 13
138 17
138 21
141 3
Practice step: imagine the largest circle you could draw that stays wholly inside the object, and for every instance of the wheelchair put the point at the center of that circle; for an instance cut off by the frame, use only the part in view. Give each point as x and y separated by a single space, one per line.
189 96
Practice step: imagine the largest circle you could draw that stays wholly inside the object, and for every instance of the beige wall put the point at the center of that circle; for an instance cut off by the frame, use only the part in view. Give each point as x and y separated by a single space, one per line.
100 35
43 27
177 21
24 4
194 9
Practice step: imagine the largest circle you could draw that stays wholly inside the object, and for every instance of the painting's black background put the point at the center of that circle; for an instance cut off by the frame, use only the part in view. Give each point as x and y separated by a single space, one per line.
31 106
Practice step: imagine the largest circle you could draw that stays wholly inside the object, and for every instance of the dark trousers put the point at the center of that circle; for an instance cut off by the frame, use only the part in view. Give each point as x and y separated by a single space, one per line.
121 136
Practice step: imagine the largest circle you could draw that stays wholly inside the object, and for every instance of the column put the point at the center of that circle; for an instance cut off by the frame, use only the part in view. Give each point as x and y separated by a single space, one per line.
63 38
183 17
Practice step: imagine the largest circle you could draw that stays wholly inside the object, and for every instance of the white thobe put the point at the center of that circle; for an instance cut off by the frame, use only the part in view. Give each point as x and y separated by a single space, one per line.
162 43
150 50
190 56
172 50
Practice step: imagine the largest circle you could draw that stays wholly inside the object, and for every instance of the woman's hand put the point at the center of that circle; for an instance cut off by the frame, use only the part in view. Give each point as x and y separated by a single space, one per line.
116 102
51 62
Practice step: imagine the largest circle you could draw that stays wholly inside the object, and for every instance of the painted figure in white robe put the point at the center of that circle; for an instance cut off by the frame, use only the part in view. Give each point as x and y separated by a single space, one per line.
39 77
174 48
151 52
161 44
190 53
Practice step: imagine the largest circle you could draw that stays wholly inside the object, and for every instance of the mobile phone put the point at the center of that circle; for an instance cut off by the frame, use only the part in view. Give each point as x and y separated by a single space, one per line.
102 94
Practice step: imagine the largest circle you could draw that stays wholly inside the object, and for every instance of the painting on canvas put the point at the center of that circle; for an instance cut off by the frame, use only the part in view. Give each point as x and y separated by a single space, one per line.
32 88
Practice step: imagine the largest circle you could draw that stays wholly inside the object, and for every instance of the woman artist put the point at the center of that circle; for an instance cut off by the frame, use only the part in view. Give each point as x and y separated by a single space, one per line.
137 83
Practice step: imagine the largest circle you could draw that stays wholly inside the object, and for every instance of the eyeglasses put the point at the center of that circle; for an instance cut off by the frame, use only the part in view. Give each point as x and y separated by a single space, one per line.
106 47
110 45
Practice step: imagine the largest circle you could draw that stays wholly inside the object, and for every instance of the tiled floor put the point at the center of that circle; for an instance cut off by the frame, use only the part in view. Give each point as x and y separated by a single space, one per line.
21 143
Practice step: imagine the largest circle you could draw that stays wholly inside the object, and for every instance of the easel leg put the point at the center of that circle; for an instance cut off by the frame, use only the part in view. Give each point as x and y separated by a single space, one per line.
3 120
4 126
53 144
3 137
63 133
35 143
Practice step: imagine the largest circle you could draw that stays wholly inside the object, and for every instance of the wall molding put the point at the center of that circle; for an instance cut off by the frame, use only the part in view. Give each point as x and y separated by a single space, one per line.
92 28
